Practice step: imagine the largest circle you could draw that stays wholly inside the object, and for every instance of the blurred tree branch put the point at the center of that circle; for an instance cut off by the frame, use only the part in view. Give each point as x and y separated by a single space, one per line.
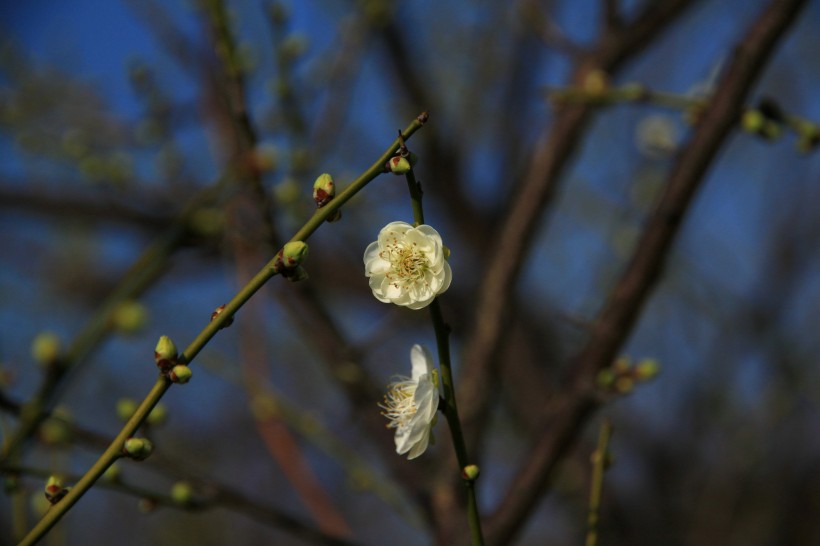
621 311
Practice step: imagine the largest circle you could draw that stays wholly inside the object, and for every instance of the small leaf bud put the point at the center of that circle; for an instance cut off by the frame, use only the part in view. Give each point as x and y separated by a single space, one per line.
112 473
323 190
605 378
137 448
180 374
129 317
624 384
753 121
182 493
126 408
45 349
165 353
470 472
647 369
158 415
595 82
55 431
398 165
146 505
218 311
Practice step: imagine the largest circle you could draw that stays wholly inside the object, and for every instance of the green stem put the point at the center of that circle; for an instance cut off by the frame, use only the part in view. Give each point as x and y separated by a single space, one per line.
162 385
599 464
450 410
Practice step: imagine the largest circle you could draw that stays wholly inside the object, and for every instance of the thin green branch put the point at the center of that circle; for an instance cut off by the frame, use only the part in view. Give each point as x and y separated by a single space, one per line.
469 472
162 384
600 461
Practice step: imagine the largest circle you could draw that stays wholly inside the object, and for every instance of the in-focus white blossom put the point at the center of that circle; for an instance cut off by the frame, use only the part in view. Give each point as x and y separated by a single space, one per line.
411 404
407 265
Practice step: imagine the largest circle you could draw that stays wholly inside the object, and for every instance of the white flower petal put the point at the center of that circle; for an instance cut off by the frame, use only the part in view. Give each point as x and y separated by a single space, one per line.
409 265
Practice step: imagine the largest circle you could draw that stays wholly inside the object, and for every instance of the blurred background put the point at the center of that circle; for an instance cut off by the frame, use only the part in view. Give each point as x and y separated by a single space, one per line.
154 155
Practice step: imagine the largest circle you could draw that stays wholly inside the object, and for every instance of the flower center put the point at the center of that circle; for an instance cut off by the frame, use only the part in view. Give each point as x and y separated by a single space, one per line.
407 263
399 405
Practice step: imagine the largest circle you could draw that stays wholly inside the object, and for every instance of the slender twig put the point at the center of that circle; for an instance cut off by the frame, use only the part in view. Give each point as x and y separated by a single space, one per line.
145 270
163 384
600 461
217 497
531 200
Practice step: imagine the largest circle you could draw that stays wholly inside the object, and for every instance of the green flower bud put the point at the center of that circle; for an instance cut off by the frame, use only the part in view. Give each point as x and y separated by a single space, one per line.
182 493
595 82
138 448
54 490
165 353
126 408
470 472
753 121
294 253
45 348
55 431
605 378
398 165
158 415
112 473
129 317
323 190
180 374
647 369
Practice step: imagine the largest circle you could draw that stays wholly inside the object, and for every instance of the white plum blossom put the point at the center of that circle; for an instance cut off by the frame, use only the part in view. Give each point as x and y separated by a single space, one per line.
407 265
411 404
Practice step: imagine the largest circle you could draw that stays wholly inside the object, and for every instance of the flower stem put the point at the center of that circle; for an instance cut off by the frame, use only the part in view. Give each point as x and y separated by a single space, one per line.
442 330
162 384
599 464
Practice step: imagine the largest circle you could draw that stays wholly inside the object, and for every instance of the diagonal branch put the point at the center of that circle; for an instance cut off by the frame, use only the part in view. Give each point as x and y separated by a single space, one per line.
533 196
622 310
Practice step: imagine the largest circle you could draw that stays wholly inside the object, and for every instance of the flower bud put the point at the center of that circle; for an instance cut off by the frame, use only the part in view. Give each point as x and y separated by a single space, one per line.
753 121
218 311
138 448
470 472
158 415
647 369
45 348
126 408
112 473
165 353
323 190
129 317
180 374
399 165
595 82
55 431
182 493
54 490
294 253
